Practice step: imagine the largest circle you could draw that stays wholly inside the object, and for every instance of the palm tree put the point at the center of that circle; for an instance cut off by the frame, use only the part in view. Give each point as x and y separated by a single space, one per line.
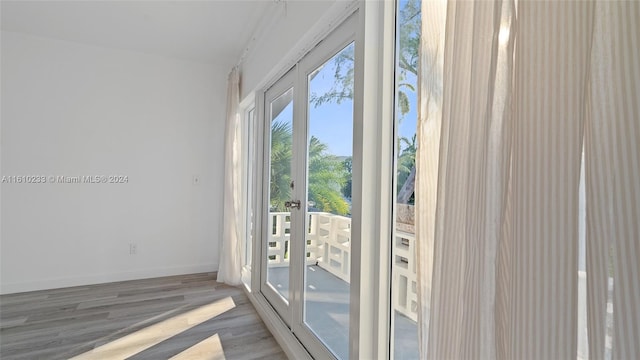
280 165
326 175
406 169
326 179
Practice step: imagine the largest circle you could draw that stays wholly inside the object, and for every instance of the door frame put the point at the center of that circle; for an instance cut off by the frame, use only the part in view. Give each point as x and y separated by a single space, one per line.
286 82
330 46
292 313
373 144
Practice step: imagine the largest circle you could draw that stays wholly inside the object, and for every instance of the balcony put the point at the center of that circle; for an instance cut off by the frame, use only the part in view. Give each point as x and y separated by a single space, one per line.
328 274
327 281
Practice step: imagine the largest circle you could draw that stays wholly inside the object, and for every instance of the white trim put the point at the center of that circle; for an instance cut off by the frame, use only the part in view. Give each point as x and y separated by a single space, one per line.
249 101
285 338
336 41
373 101
383 337
93 279
283 85
248 139
258 195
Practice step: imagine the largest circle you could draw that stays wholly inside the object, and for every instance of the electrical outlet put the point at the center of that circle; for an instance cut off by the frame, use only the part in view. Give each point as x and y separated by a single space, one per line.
196 179
133 249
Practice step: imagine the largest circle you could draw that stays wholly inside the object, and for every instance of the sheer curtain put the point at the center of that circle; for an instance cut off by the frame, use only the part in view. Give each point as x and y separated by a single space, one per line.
230 268
612 157
523 84
471 179
431 70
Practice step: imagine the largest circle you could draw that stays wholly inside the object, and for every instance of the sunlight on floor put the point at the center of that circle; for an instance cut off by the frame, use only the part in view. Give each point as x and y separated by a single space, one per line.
207 349
141 340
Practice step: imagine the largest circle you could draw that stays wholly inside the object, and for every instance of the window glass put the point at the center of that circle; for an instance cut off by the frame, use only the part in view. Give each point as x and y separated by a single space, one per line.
403 261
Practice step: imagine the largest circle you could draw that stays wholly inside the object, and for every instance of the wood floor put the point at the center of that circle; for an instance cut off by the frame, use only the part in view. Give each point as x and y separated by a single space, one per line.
178 317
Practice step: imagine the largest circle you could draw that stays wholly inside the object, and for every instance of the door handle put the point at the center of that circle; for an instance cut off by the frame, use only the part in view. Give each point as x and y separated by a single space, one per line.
293 204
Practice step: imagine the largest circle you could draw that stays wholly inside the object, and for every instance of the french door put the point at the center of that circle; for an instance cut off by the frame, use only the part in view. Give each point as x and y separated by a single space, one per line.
306 209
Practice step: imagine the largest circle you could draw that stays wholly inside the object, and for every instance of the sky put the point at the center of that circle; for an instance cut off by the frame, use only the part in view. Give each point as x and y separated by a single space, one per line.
332 123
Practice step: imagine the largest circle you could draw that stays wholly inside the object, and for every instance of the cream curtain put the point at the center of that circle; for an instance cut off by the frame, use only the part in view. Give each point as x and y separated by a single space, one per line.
612 157
431 68
523 83
230 268
471 179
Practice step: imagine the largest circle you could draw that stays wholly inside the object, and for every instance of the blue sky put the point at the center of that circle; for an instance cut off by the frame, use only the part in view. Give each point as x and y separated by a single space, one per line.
332 123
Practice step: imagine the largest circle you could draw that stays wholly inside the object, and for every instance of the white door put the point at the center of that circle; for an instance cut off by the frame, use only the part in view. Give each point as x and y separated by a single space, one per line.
305 273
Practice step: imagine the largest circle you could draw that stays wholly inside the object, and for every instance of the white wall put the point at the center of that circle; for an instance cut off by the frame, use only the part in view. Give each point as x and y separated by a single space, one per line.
280 41
72 109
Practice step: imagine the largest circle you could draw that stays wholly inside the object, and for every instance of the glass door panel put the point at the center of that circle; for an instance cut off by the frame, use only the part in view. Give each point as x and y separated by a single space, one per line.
305 234
326 290
280 111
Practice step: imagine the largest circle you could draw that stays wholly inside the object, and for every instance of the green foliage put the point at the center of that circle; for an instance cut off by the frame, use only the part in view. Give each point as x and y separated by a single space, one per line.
409 30
409 39
408 56
348 166
406 161
342 88
403 103
280 165
326 179
407 158
327 174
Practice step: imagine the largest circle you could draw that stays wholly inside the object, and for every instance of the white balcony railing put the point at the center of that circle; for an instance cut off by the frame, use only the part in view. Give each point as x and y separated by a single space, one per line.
328 242
404 275
329 246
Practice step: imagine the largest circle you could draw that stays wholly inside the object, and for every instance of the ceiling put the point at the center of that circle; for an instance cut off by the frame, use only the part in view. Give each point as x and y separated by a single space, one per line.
210 31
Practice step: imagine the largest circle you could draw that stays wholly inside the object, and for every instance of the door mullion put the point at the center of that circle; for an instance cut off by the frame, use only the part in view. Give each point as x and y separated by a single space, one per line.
300 188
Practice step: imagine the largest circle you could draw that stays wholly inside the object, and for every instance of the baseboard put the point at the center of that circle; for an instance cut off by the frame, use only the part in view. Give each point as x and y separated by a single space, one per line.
92 279
287 341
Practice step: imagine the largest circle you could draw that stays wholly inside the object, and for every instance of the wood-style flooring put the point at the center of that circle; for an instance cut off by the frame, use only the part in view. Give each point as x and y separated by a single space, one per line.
177 317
